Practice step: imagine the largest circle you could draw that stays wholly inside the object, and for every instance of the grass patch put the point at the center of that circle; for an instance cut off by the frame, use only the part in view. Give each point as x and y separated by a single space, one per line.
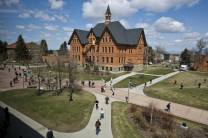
54 112
158 70
136 79
191 95
121 127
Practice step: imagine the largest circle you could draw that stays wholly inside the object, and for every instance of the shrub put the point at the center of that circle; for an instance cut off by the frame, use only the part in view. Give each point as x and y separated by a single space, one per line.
132 108
140 120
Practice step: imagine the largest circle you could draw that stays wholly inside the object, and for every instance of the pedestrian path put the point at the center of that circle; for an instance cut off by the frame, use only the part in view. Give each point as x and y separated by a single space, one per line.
120 78
88 132
139 89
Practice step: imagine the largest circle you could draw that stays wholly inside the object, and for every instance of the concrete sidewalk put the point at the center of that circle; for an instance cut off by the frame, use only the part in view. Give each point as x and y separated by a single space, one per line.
120 78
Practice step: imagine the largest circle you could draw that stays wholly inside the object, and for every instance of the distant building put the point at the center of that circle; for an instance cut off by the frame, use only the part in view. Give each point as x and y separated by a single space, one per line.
109 45
174 58
11 51
52 58
33 48
34 51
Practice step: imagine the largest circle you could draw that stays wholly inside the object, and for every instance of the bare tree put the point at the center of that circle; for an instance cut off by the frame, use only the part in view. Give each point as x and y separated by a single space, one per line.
201 44
59 76
158 51
72 76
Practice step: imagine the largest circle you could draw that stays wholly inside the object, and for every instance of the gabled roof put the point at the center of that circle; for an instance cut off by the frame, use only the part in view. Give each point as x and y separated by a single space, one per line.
120 34
82 36
98 29
12 46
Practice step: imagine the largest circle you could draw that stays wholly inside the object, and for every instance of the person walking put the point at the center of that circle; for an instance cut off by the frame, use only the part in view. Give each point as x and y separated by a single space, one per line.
181 86
145 84
199 85
49 134
89 83
101 113
113 91
97 126
107 100
96 104
168 107
7 116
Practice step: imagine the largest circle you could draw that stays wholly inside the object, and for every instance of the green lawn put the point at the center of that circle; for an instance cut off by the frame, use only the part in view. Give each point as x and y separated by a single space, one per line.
121 127
54 112
158 70
136 79
191 95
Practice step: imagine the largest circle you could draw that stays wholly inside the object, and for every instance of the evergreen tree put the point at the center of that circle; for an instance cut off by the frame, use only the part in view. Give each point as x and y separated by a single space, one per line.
185 57
3 50
21 50
43 47
63 48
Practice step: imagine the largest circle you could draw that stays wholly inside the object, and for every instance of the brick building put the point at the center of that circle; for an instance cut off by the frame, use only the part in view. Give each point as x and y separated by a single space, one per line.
33 48
109 45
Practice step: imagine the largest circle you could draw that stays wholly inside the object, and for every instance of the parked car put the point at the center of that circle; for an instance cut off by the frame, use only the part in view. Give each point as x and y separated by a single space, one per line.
184 68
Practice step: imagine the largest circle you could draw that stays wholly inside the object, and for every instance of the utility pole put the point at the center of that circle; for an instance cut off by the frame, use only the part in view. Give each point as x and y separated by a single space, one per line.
129 84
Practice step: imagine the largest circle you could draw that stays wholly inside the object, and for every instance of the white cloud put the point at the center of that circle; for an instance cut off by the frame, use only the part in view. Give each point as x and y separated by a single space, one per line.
51 27
162 5
29 27
61 18
9 2
168 25
24 15
206 34
96 8
20 26
178 40
68 29
56 4
124 23
44 16
45 34
89 25
142 25
122 8
192 36
33 27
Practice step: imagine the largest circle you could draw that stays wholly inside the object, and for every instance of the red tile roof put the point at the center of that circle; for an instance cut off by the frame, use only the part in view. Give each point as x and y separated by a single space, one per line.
12 46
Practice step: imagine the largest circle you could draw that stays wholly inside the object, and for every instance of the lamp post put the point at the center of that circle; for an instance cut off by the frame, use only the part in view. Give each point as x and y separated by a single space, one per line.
129 84
49 80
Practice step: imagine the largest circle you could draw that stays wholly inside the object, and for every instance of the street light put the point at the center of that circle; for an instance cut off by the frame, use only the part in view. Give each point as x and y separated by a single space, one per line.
129 85
49 80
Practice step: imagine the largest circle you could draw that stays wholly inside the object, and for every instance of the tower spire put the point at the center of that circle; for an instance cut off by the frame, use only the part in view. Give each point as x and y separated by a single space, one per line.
107 15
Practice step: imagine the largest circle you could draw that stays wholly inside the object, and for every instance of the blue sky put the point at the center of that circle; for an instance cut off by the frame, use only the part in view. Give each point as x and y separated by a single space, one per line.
171 24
